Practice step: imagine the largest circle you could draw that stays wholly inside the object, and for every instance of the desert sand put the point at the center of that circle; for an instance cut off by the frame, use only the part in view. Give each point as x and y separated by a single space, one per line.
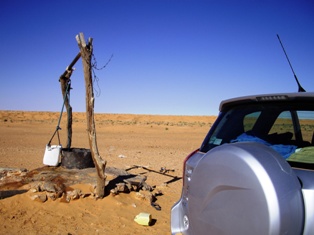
124 141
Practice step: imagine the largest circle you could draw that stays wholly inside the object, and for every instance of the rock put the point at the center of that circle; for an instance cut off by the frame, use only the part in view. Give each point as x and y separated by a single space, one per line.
39 197
148 196
64 198
137 182
121 187
52 196
75 194
47 186
146 187
144 195
33 190
114 191
9 169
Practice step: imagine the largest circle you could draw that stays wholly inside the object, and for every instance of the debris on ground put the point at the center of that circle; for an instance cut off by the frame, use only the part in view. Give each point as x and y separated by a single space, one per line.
143 219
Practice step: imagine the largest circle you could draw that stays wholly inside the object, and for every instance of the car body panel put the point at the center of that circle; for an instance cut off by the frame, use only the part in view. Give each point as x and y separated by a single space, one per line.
266 98
249 186
306 177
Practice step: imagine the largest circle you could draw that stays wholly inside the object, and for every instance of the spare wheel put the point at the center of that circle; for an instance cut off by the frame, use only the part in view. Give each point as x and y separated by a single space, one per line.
244 188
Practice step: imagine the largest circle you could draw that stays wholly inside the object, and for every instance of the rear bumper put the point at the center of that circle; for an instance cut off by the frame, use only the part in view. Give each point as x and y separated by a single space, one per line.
177 219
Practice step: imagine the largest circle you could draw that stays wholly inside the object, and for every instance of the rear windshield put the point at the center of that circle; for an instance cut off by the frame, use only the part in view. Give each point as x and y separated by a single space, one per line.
287 128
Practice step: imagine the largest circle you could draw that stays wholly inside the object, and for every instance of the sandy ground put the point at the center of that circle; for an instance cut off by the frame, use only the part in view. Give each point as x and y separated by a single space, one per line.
124 141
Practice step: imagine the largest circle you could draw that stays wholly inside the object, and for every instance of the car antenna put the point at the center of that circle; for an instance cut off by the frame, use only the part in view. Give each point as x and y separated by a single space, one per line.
295 76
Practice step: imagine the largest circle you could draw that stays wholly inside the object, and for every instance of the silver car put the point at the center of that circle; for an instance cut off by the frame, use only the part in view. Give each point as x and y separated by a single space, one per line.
254 172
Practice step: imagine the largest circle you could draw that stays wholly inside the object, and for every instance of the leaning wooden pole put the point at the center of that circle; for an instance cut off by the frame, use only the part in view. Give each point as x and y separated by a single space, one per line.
65 82
65 89
100 164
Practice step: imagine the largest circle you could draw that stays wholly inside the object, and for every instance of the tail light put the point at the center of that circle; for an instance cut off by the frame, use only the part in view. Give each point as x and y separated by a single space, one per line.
186 172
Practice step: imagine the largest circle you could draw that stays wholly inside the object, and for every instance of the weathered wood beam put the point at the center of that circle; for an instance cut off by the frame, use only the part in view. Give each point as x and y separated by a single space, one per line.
70 67
86 51
65 82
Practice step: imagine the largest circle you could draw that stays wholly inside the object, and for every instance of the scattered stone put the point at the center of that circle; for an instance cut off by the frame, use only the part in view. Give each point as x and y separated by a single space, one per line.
33 190
59 182
121 187
73 195
114 191
7 173
52 196
134 187
40 197
10 169
64 198
150 197
47 186
138 182
146 187
144 195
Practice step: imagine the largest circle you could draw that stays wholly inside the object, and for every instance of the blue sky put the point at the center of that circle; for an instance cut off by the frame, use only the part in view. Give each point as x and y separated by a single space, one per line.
177 57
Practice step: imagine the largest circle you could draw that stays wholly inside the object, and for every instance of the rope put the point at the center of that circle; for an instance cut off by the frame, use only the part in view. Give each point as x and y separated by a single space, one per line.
58 126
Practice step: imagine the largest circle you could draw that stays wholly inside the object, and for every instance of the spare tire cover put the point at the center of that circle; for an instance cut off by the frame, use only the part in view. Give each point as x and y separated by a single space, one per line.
244 188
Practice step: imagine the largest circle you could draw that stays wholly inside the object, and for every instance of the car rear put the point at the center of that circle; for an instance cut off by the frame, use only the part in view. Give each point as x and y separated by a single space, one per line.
241 186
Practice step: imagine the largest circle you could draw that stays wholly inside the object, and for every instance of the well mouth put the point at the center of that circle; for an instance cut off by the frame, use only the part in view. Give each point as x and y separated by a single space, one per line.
76 158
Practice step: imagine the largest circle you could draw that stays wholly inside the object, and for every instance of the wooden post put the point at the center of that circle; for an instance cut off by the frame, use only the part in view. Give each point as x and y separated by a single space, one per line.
65 82
100 164
65 85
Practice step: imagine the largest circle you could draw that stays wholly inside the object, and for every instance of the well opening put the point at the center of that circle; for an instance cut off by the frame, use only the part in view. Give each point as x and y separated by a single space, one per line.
76 158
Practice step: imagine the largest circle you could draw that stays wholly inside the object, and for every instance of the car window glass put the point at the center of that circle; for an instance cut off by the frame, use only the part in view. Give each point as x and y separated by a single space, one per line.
283 124
285 127
306 119
250 120
304 154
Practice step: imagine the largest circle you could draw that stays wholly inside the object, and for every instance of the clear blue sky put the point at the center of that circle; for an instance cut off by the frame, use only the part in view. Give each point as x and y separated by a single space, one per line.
177 57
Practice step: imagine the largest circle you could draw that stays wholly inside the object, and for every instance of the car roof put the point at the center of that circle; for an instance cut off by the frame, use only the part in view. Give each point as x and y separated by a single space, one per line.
275 97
